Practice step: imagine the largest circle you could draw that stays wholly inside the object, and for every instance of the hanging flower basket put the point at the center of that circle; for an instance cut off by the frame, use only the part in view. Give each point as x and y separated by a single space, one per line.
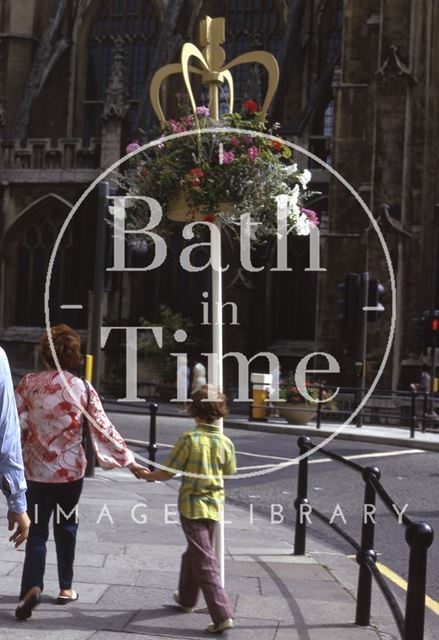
179 210
220 175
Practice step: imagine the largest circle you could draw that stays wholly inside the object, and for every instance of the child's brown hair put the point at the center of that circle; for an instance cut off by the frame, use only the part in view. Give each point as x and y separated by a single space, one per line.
205 409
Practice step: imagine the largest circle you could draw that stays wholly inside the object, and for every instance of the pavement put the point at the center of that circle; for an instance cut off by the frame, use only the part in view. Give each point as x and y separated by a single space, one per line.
126 569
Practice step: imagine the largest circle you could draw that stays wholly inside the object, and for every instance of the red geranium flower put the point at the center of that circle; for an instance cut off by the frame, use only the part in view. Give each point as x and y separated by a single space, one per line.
197 171
209 217
277 145
250 105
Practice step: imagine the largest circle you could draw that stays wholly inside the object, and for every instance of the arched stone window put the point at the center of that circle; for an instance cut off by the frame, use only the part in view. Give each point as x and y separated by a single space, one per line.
136 22
250 24
28 245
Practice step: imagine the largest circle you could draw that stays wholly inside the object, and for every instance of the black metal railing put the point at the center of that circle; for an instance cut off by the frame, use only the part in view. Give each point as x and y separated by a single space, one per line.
418 535
151 443
407 409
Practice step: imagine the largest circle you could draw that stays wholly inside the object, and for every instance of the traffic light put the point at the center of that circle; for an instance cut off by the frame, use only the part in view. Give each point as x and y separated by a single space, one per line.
376 291
431 328
350 315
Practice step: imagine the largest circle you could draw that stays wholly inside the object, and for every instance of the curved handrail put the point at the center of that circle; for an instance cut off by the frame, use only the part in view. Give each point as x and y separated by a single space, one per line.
419 536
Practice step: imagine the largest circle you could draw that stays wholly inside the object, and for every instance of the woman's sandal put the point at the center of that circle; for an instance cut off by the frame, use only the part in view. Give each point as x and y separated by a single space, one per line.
29 602
67 599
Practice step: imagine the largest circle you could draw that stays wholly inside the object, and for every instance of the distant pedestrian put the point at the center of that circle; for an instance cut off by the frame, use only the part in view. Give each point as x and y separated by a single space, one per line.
183 379
424 384
208 454
13 483
199 376
424 387
52 424
425 380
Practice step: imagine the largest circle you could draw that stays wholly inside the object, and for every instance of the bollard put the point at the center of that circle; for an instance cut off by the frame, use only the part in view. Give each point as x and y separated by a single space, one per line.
152 445
364 588
419 537
302 498
413 415
86 439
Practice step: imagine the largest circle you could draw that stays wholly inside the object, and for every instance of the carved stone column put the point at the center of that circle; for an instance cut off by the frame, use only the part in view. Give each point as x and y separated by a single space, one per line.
115 108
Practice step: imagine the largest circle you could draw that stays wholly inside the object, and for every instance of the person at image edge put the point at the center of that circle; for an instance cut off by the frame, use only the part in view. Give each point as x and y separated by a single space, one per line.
13 482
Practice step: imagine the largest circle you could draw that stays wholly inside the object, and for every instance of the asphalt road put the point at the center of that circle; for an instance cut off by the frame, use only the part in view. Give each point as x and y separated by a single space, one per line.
410 478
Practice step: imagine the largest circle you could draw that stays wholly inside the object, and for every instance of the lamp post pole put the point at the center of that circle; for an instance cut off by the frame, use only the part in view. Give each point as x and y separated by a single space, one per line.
217 346
214 72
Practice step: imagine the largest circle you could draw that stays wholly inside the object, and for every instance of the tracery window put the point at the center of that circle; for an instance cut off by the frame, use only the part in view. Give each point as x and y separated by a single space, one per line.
34 252
137 23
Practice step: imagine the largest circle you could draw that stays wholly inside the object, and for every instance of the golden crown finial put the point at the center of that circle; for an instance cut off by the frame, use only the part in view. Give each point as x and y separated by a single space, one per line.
213 72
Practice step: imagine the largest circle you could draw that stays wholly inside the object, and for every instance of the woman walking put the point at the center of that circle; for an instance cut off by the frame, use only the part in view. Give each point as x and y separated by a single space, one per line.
52 432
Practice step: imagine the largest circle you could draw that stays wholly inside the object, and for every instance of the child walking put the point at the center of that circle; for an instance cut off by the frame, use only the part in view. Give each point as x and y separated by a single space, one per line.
209 454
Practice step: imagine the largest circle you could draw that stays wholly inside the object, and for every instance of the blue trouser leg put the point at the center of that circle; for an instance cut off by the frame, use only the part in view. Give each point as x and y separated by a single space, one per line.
39 508
65 527
44 499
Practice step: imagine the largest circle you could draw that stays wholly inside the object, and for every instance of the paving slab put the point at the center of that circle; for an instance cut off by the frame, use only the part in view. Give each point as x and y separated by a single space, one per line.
126 573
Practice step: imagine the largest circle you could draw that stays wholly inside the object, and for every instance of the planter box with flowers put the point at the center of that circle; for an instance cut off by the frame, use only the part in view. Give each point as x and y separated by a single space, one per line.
297 409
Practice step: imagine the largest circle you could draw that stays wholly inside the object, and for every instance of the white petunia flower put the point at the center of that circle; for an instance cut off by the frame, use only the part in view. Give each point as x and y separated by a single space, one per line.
304 177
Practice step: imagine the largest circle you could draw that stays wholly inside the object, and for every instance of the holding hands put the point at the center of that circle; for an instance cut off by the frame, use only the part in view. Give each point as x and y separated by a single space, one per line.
142 473
139 472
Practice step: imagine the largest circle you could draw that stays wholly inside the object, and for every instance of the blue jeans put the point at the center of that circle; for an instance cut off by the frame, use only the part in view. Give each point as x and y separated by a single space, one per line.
44 498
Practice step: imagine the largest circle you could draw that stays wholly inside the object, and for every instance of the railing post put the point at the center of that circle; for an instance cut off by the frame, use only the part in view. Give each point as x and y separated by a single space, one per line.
364 589
250 404
152 445
424 412
413 415
419 537
304 444
319 407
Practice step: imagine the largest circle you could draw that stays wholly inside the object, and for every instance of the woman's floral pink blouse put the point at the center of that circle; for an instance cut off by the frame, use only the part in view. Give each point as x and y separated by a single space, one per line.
51 421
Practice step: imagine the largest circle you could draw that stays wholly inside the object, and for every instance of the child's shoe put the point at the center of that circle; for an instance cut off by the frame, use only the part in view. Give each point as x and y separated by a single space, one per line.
221 626
176 597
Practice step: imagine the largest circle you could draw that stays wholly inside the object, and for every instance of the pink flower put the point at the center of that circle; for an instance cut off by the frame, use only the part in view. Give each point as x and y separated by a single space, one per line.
234 141
188 121
203 111
133 146
253 153
228 157
175 127
312 216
